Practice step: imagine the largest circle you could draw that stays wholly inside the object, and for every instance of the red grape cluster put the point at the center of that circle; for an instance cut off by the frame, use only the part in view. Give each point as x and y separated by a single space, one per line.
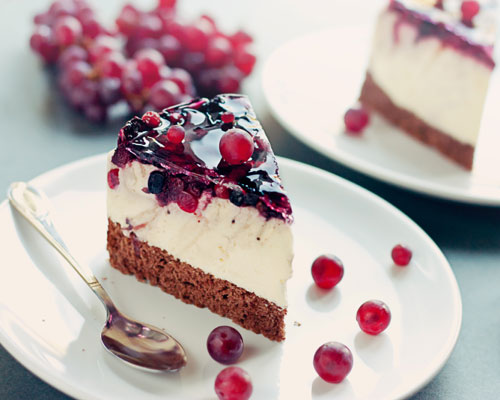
150 59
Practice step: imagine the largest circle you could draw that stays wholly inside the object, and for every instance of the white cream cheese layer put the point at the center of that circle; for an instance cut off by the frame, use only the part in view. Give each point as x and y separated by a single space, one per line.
442 86
232 243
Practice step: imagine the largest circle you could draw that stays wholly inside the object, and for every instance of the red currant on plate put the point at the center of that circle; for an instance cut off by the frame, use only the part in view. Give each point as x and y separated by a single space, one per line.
333 362
356 119
401 255
233 383
373 317
225 345
327 271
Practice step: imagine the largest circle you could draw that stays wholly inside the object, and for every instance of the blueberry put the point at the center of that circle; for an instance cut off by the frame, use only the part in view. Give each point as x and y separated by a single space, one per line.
156 182
237 197
251 199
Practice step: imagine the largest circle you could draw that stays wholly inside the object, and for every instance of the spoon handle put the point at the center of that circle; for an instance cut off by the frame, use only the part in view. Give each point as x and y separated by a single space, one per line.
33 205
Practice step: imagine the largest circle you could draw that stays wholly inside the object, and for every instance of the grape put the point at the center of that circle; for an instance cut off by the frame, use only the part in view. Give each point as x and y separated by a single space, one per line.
149 62
111 64
163 94
72 54
67 30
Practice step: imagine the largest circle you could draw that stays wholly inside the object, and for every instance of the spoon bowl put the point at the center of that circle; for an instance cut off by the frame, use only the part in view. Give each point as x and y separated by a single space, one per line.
140 345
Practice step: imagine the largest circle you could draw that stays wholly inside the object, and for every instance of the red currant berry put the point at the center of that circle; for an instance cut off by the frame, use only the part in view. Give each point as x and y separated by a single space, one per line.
333 362
356 119
401 255
152 119
227 117
187 202
175 134
327 271
233 383
236 146
222 191
373 317
469 8
113 178
175 117
225 345
67 30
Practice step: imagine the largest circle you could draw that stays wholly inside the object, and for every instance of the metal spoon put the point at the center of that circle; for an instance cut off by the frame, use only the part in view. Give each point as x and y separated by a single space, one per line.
140 345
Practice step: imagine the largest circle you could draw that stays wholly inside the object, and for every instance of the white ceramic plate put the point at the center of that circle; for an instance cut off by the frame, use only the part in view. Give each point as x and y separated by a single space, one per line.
50 321
311 81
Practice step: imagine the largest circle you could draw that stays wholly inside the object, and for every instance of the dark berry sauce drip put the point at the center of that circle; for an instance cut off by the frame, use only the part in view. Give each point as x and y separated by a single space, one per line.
457 35
195 167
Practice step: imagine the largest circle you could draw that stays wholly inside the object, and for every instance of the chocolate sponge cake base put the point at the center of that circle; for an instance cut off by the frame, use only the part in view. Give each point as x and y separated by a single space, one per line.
374 98
193 286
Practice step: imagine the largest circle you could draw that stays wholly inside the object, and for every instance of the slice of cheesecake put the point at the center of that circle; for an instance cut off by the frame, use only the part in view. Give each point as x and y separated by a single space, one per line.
212 231
429 71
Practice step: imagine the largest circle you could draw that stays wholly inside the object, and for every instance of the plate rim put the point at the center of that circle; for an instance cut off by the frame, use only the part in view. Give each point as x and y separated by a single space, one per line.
375 171
37 368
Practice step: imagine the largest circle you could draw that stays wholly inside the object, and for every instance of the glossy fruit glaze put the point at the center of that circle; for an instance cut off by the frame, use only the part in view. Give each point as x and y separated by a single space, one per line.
433 21
195 168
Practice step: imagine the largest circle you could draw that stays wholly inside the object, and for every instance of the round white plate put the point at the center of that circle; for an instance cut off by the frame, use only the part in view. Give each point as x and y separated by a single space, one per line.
50 321
311 81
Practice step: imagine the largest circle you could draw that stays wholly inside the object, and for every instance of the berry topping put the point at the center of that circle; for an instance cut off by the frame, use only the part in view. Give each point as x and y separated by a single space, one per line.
152 119
156 182
373 317
356 119
227 117
236 146
401 255
233 383
327 271
333 362
237 197
221 191
225 345
175 134
187 202
175 118
185 148
469 9
113 178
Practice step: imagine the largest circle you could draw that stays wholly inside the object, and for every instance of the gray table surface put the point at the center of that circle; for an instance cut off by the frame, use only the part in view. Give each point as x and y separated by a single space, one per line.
39 133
